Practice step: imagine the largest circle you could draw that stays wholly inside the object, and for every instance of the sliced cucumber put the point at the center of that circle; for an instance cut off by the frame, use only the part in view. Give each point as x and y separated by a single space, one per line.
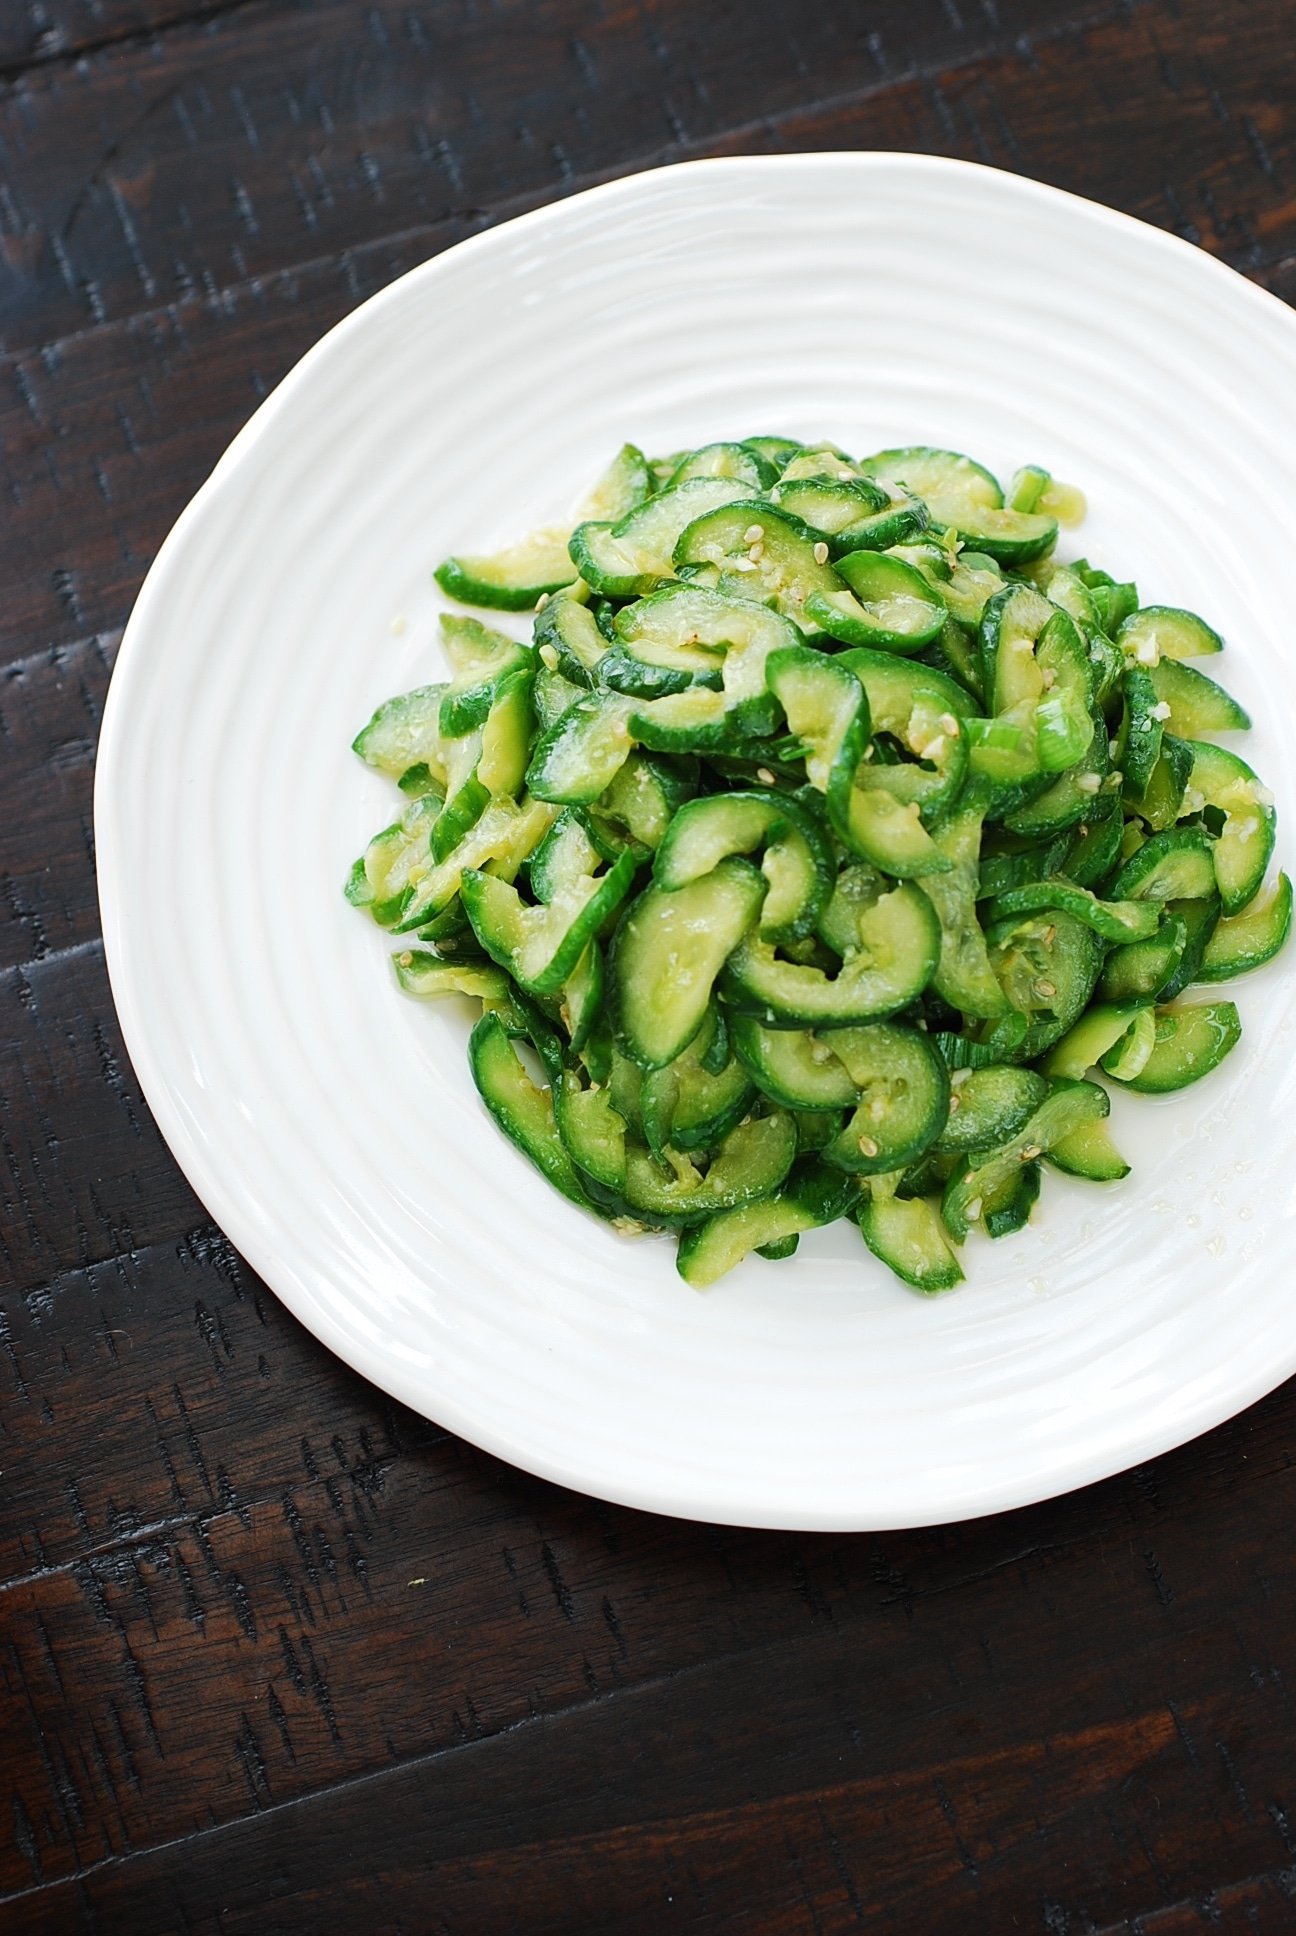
667 952
1190 1042
628 558
810 1197
898 951
513 579
1250 938
907 1235
1246 842
1157 632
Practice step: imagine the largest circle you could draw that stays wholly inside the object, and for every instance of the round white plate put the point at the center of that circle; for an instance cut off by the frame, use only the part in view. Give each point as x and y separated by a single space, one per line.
330 1124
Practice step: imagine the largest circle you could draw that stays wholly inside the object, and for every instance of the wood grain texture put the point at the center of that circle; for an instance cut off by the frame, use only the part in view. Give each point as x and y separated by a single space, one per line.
276 1655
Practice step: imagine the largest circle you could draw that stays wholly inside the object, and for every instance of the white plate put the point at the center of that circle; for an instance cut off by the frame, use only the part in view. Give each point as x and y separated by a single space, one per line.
330 1124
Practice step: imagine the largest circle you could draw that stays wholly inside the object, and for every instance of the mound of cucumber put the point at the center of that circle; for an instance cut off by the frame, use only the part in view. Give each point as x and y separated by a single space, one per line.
821 843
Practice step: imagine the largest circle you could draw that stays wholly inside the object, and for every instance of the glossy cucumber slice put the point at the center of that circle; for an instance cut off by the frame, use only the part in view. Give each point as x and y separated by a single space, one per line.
523 1110
1250 938
511 580
907 1235
887 603
898 950
1067 1107
1246 841
988 1107
811 1196
667 952
1190 1042
1157 632
628 558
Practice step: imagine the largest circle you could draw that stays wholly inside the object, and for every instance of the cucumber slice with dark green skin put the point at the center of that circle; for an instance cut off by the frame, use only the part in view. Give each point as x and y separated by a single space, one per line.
887 604
643 798
988 1107
1200 920
1084 794
829 505
1009 860
504 835
779 1247
690 1106
1138 738
567 637
1009 537
1007 1209
856 889
1011 625
689 628
1047 965
541 946
903 1098
1096 855
1190 1042
580 755
668 950
899 948
1248 940
949 482
1100 1029
1115 921
907 1235
966 583
794 1067
592 1130
778 451
480 660
964 976
780 560
426 976
572 849
1156 632
523 1111
1089 1152
1197 705
1127 1058
737 461
1063 714
925 712
513 579
1161 801
798 859
553 695
626 482
1176 865
751 1162
1067 1107
826 709
405 732
1144 969
1246 841
627 559
961 1052
811 1196
581 1003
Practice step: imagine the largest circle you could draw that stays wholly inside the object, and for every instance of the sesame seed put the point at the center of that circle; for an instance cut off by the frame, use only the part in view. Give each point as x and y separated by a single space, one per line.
955 1101
756 552
1045 988
1088 782
753 534
867 1146
1031 1151
959 1075
1050 936
821 553
743 564
934 747
549 655
542 601
948 725
974 1210
764 775
1083 828
405 958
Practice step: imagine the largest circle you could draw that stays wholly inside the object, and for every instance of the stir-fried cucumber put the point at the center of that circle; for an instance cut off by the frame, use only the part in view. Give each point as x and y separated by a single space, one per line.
824 849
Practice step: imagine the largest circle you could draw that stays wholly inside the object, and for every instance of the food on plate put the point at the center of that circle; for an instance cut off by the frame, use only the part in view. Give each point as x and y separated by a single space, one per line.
821 848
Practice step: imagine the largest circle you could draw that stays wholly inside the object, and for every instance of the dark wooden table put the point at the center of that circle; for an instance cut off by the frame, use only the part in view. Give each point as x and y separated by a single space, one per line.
274 1653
